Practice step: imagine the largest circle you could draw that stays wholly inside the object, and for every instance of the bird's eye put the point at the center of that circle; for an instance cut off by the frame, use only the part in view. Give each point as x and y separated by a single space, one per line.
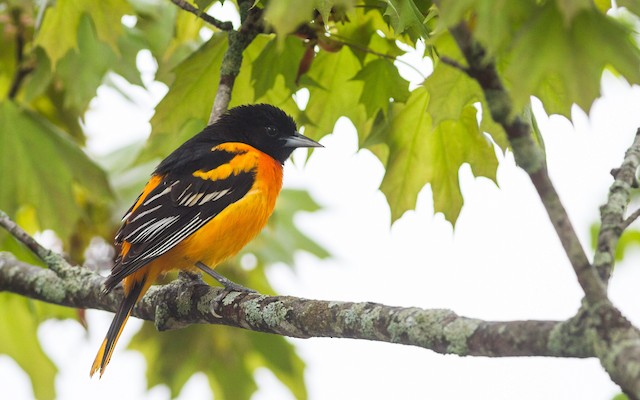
272 131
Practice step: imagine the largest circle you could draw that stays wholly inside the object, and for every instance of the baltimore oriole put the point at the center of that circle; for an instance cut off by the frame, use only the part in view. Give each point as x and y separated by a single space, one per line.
203 203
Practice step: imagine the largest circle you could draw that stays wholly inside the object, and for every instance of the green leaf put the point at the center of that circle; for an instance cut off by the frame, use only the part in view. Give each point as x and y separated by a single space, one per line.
407 17
59 31
495 30
450 91
276 60
19 340
82 72
284 16
571 59
185 109
36 83
408 167
381 83
337 94
419 154
40 167
361 31
278 94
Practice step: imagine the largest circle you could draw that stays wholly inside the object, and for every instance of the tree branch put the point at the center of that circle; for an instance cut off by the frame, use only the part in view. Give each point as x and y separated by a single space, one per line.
232 60
222 25
612 212
529 157
185 302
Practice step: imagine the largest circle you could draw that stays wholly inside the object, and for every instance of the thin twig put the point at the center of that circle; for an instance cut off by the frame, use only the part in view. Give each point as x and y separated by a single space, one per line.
51 258
454 64
222 25
630 219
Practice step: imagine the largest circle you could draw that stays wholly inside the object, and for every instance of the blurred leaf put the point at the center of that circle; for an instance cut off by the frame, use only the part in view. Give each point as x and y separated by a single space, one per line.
284 16
407 17
189 99
59 31
227 356
38 168
573 56
381 83
278 94
495 22
570 8
82 72
631 5
274 61
281 238
19 340
37 82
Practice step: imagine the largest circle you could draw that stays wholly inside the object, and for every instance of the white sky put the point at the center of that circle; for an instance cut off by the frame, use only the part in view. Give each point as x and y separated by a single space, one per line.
502 262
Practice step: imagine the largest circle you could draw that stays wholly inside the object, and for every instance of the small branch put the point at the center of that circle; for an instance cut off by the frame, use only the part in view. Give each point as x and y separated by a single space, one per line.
52 259
185 301
612 212
454 64
22 71
630 219
222 25
232 60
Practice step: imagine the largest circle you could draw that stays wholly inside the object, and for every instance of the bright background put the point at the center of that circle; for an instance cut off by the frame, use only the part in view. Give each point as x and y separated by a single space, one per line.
502 262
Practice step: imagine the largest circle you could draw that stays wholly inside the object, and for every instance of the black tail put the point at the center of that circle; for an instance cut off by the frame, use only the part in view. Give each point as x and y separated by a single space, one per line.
117 325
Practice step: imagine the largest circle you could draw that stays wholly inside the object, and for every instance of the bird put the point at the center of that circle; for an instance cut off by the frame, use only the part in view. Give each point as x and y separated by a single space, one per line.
203 203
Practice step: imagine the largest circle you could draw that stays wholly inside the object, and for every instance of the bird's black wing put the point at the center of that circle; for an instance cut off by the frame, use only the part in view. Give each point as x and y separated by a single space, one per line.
175 208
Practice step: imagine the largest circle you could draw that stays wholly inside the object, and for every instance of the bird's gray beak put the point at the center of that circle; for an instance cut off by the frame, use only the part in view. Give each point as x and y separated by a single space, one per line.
298 140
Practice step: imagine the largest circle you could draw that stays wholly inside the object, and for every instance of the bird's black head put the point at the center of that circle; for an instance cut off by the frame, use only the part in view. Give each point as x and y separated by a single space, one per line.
263 126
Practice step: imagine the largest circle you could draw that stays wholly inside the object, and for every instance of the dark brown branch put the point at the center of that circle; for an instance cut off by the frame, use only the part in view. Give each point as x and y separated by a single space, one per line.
185 302
612 213
22 70
222 25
